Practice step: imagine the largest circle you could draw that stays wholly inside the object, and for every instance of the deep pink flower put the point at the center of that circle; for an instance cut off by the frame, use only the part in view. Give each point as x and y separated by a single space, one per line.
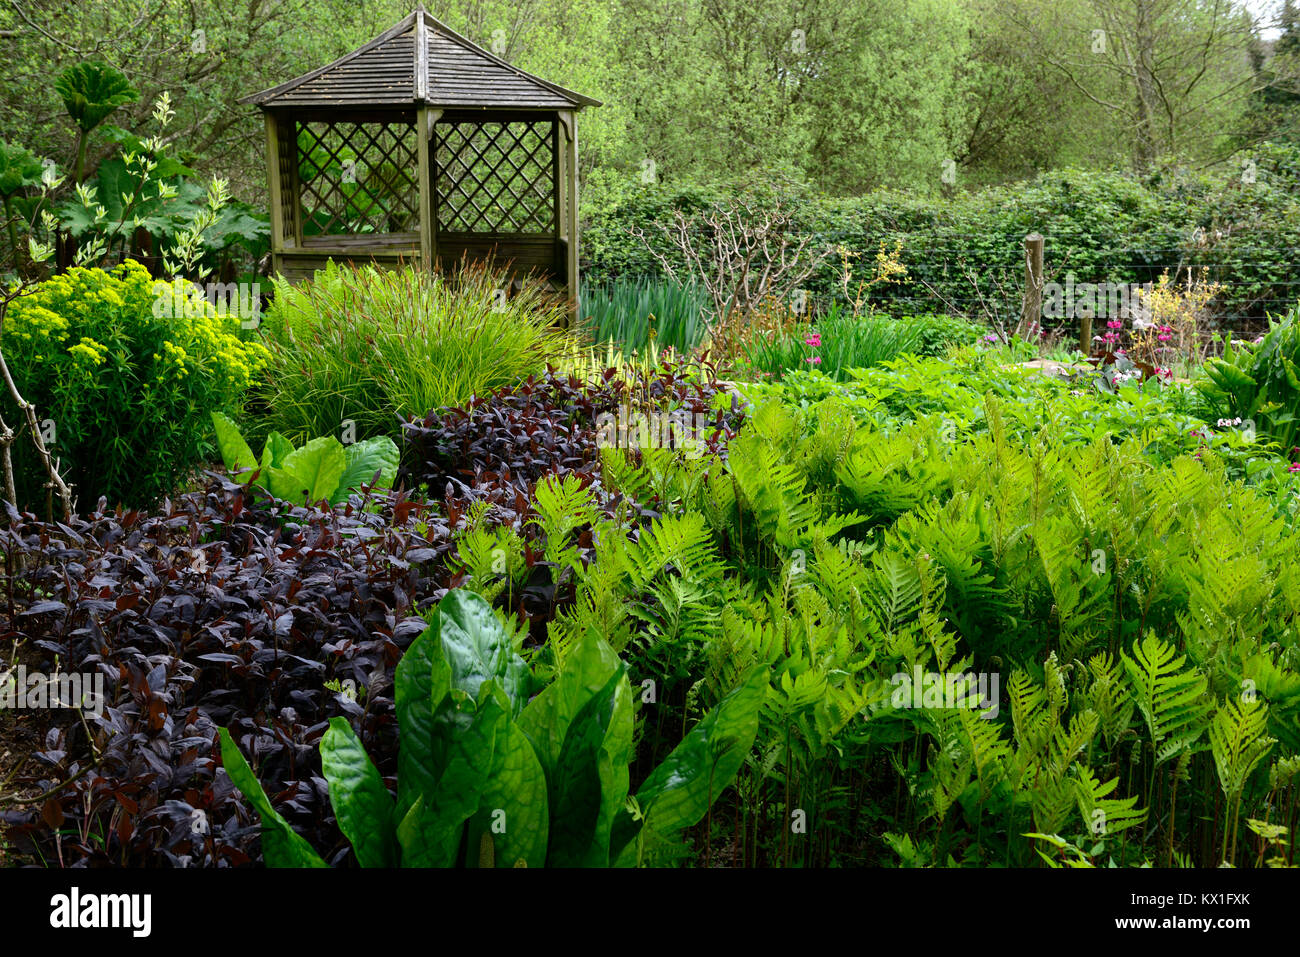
814 340
815 360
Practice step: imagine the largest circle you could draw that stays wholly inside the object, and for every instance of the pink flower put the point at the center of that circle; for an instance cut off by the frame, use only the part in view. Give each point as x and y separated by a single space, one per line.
815 360
814 340
1293 467
1115 324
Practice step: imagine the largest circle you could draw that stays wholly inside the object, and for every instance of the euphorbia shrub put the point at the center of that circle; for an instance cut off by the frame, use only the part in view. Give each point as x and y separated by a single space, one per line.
124 394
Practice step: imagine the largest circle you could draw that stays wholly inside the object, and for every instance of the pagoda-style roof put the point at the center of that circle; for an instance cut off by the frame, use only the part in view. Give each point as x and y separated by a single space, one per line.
420 61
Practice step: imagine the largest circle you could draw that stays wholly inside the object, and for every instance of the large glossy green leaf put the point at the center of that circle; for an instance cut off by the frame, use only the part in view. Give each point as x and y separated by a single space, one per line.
19 168
129 203
591 777
513 805
361 803
616 753
433 836
235 453
459 742
364 459
237 223
313 470
281 845
679 791
581 728
546 718
421 684
478 649
276 450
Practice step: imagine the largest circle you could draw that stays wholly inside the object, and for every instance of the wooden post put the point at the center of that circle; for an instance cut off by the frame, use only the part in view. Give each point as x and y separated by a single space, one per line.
569 122
559 253
273 184
1031 313
428 243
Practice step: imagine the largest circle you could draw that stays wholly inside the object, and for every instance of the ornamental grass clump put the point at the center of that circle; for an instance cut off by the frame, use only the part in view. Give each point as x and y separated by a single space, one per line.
123 384
366 346
840 341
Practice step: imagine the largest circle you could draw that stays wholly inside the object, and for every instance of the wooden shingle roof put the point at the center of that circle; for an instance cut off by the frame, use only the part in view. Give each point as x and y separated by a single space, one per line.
420 61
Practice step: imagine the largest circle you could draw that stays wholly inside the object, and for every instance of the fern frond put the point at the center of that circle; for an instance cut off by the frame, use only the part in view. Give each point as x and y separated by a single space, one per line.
894 590
1104 815
1069 743
1108 695
1238 742
1172 702
1052 800
988 749
679 543
1031 721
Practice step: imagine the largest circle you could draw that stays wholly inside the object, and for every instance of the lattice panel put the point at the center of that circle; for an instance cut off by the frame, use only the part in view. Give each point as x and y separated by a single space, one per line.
357 178
495 177
284 148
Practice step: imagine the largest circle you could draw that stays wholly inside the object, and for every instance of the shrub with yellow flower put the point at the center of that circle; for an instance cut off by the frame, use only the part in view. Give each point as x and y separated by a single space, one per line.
126 392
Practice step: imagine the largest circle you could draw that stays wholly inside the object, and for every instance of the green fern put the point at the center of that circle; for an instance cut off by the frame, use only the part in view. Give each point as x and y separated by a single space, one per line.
563 505
1172 702
1103 815
1108 695
1239 744
1031 721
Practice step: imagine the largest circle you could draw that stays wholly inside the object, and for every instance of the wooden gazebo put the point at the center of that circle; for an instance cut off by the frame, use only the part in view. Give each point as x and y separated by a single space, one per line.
421 146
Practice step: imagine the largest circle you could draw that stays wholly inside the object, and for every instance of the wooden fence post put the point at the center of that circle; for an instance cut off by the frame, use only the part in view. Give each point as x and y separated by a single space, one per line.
1031 313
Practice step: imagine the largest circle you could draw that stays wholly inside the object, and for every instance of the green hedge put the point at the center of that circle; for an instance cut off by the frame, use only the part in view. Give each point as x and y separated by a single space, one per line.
964 254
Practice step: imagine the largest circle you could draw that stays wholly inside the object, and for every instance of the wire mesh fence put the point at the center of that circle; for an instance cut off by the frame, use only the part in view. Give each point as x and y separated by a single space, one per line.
1240 296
